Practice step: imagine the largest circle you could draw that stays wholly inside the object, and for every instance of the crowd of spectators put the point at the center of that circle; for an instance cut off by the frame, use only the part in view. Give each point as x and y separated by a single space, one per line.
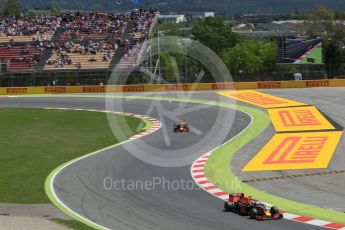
63 50
29 60
80 33
143 20
94 24
86 47
28 54
29 26
77 24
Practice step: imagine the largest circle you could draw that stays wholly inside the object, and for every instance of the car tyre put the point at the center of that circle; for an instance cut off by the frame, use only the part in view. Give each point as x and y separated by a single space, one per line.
227 207
274 210
253 212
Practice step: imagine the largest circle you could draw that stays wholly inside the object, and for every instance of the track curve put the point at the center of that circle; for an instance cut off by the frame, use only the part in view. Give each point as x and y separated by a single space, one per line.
81 187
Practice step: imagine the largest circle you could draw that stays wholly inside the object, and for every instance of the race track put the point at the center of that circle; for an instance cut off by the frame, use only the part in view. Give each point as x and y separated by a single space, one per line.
80 185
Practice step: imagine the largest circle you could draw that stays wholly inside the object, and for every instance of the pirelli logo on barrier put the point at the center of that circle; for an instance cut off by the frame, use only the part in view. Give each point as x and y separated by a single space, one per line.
55 90
260 99
269 85
223 86
134 88
296 151
16 90
176 87
323 83
298 119
94 89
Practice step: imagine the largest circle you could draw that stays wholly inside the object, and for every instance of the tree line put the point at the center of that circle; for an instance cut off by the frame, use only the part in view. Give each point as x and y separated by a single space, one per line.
244 57
330 26
10 8
256 59
13 8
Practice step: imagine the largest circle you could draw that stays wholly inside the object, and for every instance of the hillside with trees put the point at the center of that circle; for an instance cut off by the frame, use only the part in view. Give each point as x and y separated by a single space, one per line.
221 7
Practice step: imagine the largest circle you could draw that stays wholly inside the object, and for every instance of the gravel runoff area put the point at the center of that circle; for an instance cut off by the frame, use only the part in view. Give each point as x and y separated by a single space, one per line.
32 210
28 223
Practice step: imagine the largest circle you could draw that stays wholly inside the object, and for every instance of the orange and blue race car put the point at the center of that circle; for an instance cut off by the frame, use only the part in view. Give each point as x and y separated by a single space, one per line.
181 127
247 206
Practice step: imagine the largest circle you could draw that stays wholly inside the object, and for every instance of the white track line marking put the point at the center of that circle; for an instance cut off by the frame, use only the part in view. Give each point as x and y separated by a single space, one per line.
154 121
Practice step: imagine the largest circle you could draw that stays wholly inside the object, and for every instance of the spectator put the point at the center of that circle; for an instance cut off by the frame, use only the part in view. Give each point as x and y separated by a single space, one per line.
38 27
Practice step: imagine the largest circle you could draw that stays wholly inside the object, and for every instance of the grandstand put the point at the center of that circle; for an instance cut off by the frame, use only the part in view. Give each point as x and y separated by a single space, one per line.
21 58
36 50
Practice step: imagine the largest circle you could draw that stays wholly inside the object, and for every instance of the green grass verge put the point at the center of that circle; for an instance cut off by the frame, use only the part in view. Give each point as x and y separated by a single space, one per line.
73 224
316 54
36 141
218 170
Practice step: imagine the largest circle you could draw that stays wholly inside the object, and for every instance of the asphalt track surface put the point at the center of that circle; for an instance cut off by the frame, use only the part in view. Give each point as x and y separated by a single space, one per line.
81 185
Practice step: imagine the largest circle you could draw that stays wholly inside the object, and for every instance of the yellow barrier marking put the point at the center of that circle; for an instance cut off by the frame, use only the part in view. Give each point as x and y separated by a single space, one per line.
296 151
260 99
298 119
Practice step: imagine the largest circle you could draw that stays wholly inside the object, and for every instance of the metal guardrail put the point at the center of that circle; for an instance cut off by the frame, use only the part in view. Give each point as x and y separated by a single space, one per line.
153 26
145 44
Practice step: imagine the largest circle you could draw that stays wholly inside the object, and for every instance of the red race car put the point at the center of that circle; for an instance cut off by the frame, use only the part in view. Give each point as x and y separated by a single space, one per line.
181 127
247 206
